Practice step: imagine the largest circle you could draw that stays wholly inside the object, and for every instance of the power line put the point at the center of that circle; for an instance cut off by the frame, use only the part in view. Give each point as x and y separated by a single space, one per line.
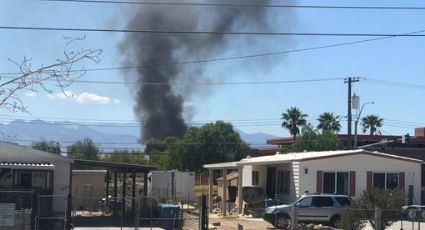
70 119
134 143
236 57
207 83
139 125
395 84
210 32
236 123
244 5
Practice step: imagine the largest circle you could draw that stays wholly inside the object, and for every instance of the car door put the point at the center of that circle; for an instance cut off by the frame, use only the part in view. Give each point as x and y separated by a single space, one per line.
323 208
305 209
315 209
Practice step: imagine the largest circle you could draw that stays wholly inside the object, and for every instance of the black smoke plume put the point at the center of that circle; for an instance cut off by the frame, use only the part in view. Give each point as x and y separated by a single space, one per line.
162 85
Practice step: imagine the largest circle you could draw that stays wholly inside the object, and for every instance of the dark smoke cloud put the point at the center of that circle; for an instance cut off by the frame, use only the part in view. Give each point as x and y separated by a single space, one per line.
160 107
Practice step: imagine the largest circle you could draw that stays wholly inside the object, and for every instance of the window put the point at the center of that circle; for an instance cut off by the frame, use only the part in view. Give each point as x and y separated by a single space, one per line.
306 202
385 180
35 179
343 201
335 183
284 182
255 178
322 202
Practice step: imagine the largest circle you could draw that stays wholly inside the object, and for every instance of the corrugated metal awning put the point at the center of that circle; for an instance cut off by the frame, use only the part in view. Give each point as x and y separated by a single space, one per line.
27 165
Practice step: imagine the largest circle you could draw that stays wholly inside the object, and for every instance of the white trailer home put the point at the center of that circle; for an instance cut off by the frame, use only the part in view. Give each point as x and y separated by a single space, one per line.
350 172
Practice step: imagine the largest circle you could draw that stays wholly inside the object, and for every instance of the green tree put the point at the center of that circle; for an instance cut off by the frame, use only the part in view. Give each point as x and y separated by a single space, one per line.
126 156
372 123
85 149
165 153
292 120
170 156
329 122
313 140
47 146
212 143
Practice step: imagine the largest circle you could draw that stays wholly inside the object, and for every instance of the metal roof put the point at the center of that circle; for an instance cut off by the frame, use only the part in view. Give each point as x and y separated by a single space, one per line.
27 165
303 156
116 166
15 153
76 171
224 165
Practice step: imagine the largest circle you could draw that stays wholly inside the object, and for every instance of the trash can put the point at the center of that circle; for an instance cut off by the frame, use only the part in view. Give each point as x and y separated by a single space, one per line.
168 215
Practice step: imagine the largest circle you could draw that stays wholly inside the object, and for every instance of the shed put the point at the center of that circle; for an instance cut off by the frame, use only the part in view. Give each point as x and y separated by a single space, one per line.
88 187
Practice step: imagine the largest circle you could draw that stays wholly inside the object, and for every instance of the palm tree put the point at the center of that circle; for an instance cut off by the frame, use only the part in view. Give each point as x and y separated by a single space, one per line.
372 123
329 122
293 119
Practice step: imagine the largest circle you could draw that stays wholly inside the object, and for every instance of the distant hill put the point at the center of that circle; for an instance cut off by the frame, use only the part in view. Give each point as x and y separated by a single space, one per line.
107 136
66 133
256 139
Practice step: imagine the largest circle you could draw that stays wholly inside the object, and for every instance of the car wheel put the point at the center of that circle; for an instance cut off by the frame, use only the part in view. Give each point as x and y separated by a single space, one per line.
283 222
335 221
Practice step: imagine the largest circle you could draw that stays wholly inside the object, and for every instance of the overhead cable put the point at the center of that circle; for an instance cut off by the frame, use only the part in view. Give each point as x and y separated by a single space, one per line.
175 32
244 5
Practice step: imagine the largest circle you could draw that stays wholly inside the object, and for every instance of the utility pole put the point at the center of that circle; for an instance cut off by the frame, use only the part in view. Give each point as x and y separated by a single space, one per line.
349 80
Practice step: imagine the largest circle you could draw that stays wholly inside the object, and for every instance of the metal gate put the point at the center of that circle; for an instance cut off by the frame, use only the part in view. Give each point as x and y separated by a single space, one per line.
17 209
51 212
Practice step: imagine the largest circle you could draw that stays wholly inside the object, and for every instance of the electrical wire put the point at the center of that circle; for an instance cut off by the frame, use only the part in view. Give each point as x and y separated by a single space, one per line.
394 84
168 32
237 57
244 5
207 83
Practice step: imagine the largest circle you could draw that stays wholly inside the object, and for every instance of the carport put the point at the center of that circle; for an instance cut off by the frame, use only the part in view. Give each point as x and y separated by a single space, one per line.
125 169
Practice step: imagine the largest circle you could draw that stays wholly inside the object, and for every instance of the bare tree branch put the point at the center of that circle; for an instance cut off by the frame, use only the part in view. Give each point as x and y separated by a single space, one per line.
62 72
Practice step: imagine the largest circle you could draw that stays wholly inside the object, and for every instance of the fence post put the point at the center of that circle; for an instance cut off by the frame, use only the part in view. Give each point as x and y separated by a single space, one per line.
137 209
294 220
204 213
378 218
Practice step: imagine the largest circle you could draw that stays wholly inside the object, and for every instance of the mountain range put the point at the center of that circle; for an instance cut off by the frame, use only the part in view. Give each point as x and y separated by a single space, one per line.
107 136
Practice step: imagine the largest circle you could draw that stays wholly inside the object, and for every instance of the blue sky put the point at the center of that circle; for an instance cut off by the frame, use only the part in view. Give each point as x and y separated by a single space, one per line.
252 108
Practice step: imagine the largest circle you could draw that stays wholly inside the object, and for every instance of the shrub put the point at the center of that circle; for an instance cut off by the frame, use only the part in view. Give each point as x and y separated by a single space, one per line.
362 209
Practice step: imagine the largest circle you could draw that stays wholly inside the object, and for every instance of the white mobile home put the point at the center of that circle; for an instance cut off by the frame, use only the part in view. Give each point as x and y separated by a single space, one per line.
26 168
31 178
350 172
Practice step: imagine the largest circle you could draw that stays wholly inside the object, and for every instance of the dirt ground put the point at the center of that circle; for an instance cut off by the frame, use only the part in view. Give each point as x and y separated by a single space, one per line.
231 223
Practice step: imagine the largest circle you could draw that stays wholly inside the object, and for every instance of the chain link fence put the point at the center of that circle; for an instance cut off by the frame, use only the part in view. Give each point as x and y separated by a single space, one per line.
163 212
405 218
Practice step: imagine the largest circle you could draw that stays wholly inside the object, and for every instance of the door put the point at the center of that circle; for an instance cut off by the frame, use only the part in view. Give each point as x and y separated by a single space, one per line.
271 182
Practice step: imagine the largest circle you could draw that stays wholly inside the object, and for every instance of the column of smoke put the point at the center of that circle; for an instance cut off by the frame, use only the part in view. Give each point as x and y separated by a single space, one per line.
162 85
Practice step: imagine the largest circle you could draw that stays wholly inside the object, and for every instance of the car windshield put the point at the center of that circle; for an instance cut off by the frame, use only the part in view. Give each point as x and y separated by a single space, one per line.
296 200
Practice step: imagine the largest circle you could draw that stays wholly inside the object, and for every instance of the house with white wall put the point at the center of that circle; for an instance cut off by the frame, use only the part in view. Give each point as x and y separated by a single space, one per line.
349 172
24 168
33 168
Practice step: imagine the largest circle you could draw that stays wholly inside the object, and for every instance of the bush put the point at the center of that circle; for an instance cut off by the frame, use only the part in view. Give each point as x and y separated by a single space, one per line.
363 209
